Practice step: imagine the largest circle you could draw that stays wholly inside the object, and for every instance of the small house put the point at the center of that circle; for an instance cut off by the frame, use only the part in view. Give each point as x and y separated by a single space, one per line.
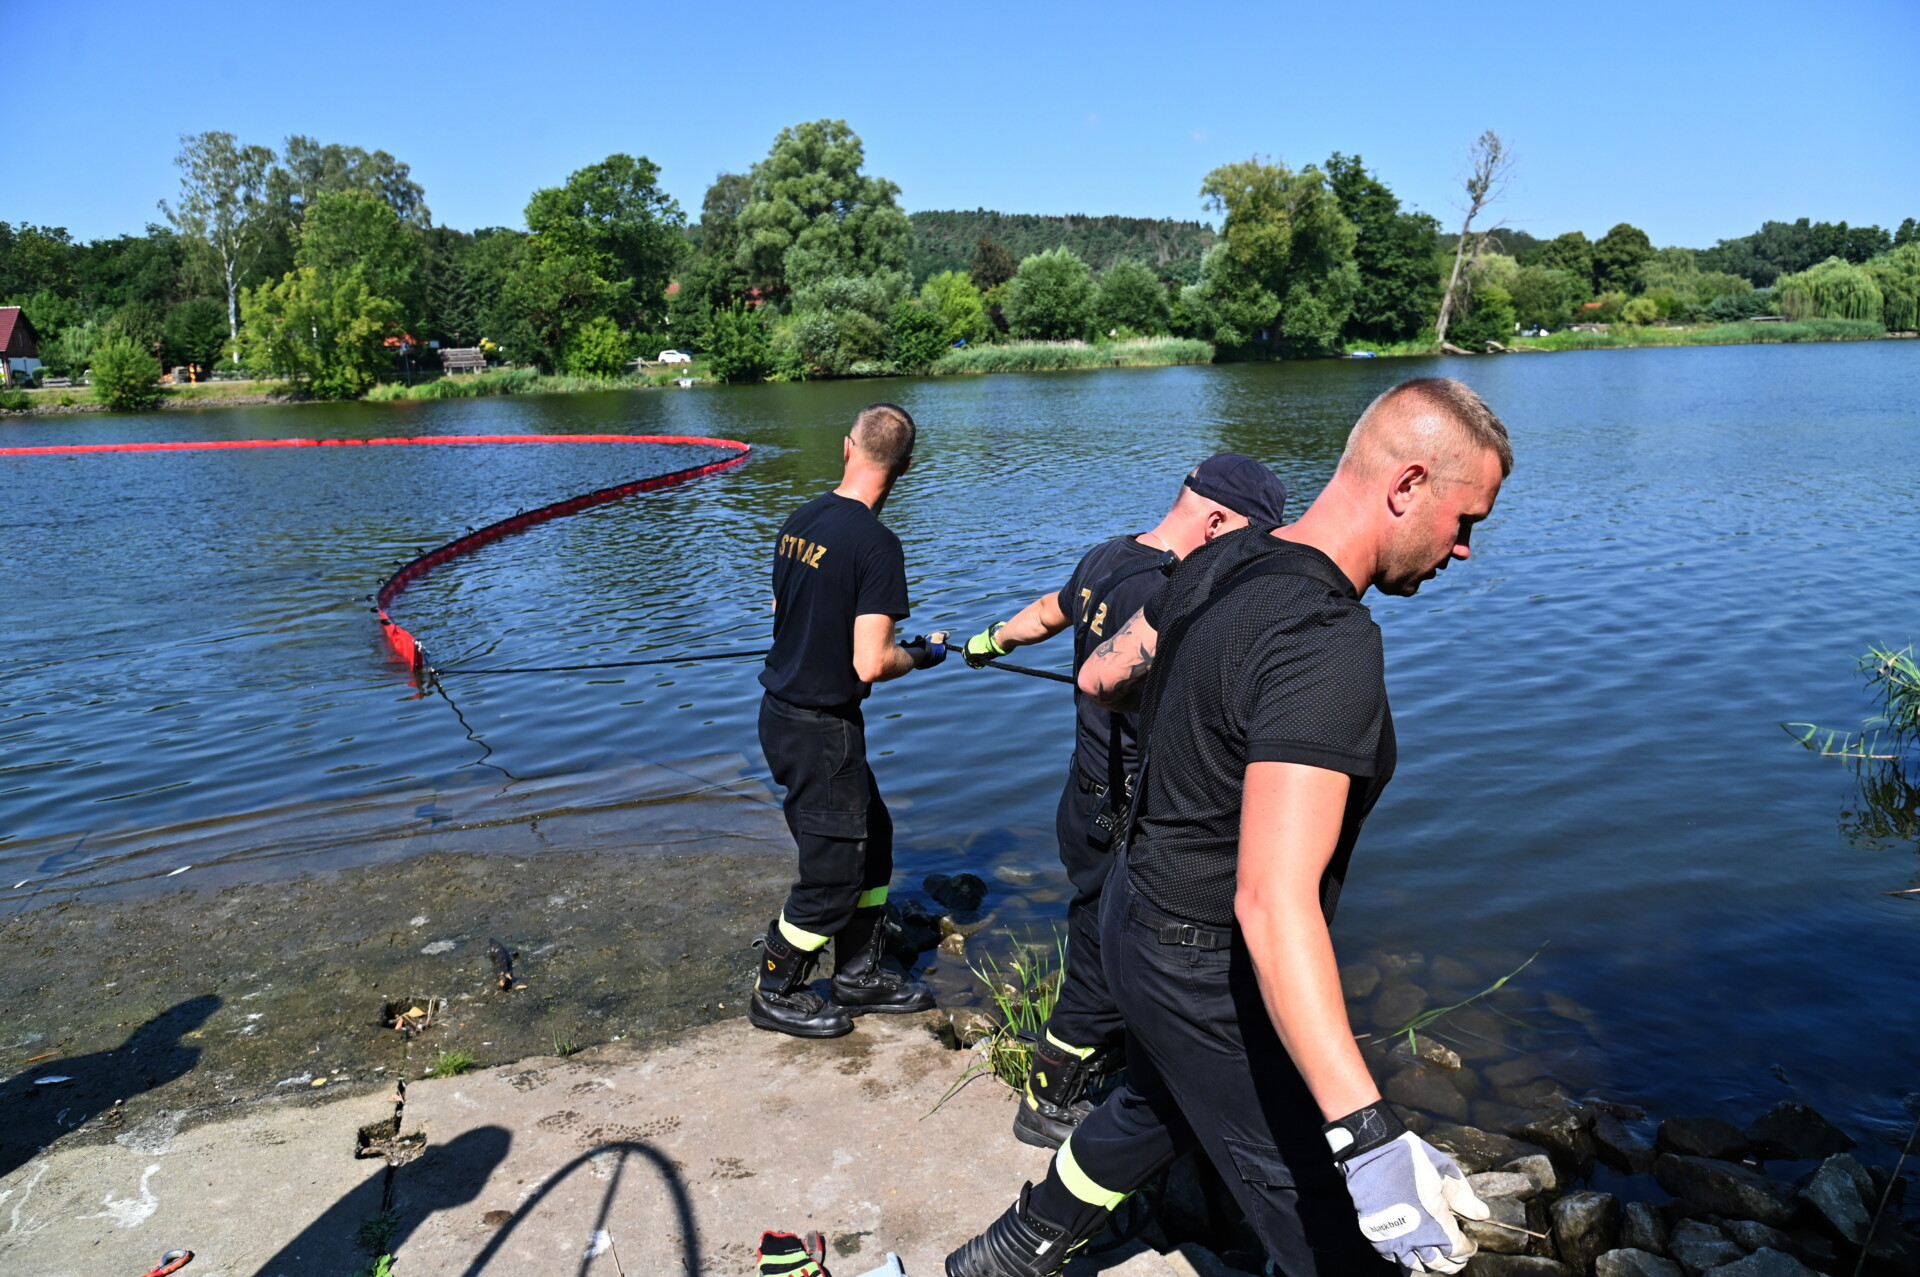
19 345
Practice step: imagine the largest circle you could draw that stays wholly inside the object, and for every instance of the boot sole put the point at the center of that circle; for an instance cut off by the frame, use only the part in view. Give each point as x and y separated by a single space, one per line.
850 1009
794 1031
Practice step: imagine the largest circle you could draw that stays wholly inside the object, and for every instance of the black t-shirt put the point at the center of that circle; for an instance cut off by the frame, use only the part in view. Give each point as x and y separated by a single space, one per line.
1098 610
1277 668
834 561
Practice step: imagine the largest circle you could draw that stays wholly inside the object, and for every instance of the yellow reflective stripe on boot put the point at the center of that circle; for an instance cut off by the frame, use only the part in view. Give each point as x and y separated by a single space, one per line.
805 941
1081 1052
1079 1183
870 898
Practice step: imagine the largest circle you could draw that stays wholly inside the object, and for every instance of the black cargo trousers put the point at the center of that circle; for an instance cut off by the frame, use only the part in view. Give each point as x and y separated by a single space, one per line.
1084 1015
1204 1066
833 808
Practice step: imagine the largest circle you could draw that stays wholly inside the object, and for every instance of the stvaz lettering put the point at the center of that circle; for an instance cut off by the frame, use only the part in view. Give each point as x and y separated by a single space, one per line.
802 550
1099 621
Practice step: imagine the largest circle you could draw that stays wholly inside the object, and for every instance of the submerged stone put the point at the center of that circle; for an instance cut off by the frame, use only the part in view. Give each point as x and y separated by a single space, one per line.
958 891
1422 1086
1703 1137
1397 1003
1620 1147
1358 980
1797 1132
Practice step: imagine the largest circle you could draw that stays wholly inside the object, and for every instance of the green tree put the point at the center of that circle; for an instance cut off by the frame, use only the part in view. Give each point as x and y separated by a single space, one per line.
346 229
1833 289
1488 316
1282 280
1393 252
1909 233
919 336
1131 297
596 348
739 346
1897 275
714 277
953 296
992 265
223 204
125 374
1489 171
1051 296
196 332
141 322
34 259
545 299
1572 253
843 324
324 335
309 169
810 195
1640 311
615 219
1544 297
1617 257
453 308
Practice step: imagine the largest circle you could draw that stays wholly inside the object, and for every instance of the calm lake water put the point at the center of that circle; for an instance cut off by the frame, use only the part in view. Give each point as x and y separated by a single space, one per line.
1694 548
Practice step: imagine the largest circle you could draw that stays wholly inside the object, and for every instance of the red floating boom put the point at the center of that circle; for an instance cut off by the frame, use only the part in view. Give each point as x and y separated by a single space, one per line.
405 647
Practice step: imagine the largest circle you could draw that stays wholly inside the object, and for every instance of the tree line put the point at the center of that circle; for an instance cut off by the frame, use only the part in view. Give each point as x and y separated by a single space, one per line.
321 264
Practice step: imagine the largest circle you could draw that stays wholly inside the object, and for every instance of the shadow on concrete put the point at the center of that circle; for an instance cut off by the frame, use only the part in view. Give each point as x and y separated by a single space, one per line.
152 1056
682 1206
445 1176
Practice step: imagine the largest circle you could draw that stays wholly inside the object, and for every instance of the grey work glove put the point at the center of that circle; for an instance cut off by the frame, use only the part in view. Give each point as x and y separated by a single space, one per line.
1405 1191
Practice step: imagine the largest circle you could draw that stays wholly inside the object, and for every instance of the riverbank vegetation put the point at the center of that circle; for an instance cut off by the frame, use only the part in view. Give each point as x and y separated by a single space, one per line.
320 266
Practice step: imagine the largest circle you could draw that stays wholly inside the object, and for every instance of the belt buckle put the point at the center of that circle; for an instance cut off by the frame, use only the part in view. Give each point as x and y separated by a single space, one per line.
1189 935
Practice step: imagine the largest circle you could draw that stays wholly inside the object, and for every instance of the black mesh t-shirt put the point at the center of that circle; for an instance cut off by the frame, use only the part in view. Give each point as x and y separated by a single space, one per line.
834 561
1277 668
1111 582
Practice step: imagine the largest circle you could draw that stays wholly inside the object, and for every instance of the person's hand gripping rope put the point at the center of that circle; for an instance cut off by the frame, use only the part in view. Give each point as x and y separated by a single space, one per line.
985 646
927 650
1408 1194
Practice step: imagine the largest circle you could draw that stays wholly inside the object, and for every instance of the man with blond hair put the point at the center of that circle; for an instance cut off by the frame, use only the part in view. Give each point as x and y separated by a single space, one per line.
1266 740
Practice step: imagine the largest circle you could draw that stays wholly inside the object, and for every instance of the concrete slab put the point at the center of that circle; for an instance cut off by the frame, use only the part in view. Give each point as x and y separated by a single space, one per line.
676 1160
277 1190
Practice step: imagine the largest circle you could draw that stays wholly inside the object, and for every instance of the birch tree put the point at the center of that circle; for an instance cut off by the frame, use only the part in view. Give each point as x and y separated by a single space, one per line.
223 189
1490 166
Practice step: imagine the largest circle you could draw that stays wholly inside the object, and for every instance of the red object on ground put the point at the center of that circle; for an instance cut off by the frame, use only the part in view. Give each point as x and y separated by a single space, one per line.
405 647
171 1262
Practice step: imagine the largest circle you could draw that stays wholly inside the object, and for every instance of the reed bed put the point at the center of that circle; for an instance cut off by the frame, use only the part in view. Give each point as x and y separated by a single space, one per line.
1144 352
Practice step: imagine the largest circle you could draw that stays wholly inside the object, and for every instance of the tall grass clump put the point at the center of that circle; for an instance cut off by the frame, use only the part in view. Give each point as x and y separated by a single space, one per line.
1141 352
1023 993
511 381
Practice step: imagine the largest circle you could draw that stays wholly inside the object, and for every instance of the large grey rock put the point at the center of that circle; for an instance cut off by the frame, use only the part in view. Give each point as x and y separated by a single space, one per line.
1725 1188
1703 1137
1488 1185
1699 1246
1620 1147
1835 1195
1424 1050
1797 1132
1765 1263
1539 1168
1397 1002
1476 1150
1641 1228
1632 1262
1565 1131
1752 1235
1491 1236
1424 1086
1359 980
1516 1266
1586 1224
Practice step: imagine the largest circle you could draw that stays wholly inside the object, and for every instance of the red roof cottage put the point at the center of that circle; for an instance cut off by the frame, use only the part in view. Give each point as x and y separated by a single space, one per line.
19 351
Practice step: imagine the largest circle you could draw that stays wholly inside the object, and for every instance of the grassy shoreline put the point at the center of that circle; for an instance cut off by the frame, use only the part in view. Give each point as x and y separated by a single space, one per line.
1622 336
1143 352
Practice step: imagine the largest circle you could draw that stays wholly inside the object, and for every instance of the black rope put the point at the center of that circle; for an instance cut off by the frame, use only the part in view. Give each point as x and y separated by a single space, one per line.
1050 675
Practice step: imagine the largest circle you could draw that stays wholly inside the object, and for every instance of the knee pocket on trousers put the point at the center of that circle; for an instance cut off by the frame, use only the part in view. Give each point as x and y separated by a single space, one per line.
851 825
1259 1163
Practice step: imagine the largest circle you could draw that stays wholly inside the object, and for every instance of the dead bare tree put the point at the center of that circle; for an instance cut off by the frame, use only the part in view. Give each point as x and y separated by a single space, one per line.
1491 170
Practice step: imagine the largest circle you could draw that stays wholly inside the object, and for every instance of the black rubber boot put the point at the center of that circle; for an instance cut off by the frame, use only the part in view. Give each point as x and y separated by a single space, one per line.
781 999
1055 1099
860 982
1021 1244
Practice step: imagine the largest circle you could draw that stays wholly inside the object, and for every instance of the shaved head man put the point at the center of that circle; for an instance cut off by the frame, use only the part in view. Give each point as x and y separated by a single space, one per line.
1265 740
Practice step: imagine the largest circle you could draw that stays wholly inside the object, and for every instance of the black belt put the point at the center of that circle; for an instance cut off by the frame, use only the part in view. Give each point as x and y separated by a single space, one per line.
1088 786
1192 937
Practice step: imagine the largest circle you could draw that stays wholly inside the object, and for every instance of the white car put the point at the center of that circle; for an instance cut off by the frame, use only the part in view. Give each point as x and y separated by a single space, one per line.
675 357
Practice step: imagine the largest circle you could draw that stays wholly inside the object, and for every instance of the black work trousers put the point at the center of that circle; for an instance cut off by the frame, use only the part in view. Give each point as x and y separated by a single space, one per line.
1084 1016
833 807
1205 1065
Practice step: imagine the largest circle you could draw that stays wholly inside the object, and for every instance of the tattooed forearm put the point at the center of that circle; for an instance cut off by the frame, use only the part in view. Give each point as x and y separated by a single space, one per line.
1117 670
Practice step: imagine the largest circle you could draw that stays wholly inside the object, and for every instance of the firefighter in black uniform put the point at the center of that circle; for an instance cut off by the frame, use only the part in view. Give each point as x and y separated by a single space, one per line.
839 588
1109 584
1265 740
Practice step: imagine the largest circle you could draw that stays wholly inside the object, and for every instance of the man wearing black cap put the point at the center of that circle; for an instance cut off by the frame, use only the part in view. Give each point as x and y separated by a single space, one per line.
1111 582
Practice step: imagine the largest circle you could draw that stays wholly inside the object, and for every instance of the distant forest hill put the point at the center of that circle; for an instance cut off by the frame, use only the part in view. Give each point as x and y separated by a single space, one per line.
949 240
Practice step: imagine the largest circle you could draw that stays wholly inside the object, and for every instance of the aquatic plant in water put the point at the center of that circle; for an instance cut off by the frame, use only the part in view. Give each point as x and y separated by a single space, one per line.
1884 753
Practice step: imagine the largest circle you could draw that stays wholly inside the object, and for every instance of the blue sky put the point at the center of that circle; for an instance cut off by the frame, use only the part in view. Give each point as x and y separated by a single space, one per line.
1694 122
